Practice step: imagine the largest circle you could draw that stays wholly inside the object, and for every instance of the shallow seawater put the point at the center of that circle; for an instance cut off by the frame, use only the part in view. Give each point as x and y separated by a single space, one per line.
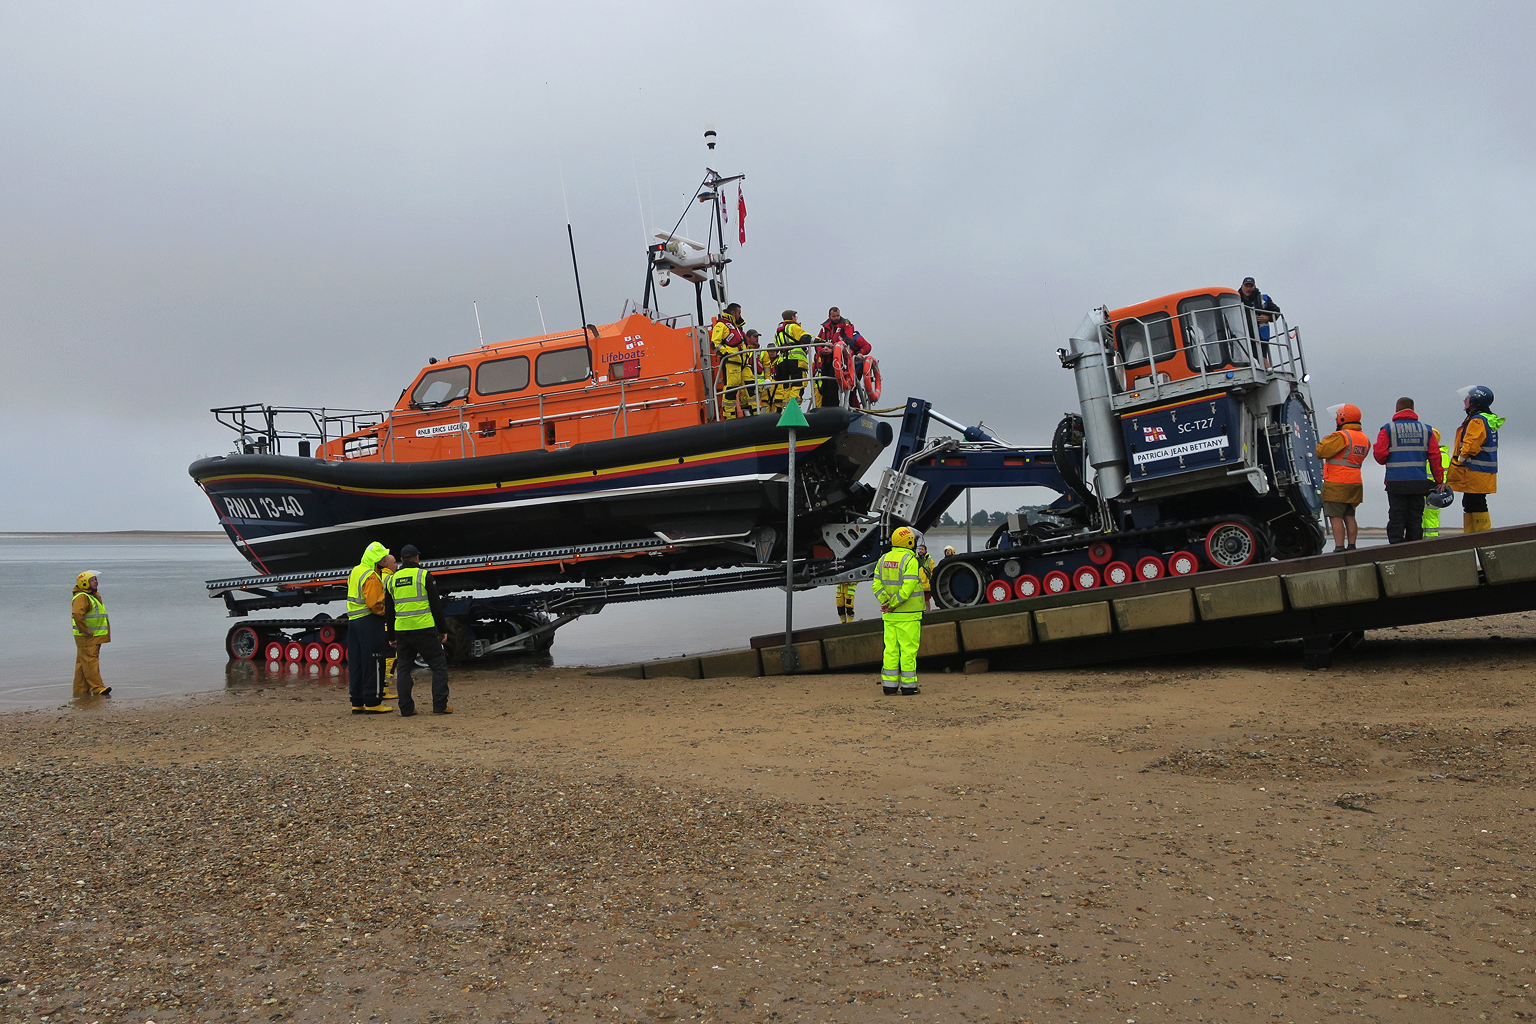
168 635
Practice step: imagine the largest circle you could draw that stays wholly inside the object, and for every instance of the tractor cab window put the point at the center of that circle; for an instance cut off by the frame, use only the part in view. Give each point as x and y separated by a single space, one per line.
1144 340
563 366
1140 342
440 387
1215 331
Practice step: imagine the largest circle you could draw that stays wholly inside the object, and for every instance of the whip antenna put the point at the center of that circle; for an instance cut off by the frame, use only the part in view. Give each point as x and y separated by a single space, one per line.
478 328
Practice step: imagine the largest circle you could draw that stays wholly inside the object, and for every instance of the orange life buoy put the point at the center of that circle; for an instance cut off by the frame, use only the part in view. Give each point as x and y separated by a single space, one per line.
871 378
842 366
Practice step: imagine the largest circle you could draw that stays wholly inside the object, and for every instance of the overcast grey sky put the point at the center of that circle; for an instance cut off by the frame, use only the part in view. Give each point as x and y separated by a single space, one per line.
207 204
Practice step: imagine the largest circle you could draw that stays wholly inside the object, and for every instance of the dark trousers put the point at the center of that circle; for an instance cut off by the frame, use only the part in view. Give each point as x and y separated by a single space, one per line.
366 651
1474 502
1405 517
425 642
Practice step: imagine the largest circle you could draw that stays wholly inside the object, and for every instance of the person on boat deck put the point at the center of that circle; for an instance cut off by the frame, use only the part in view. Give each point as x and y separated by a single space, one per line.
794 361
416 626
833 330
730 344
367 643
755 395
92 629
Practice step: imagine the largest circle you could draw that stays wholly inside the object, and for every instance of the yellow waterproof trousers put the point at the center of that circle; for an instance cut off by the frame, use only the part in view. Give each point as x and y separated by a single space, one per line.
88 666
899 667
845 592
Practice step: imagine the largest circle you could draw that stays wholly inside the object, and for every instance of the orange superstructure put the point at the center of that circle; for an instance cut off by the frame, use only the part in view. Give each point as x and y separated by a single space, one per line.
636 376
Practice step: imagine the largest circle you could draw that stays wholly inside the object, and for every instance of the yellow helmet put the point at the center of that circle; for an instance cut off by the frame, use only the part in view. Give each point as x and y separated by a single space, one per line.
904 537
83 581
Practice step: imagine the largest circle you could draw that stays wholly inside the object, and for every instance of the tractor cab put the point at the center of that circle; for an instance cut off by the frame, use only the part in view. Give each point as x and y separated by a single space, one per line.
1196 341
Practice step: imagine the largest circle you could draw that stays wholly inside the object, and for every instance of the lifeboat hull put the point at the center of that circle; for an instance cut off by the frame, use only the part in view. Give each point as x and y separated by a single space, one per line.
720 480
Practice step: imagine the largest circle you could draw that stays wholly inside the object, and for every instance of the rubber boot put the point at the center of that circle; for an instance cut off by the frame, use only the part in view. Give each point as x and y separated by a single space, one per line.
1477 522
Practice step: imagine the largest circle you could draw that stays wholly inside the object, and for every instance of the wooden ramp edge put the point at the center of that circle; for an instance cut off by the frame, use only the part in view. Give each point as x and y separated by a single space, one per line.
1323 601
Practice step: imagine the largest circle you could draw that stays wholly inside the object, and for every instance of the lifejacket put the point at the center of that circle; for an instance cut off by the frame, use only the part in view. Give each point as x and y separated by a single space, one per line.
1407 449
732 340
1344 468
1487 460
792 348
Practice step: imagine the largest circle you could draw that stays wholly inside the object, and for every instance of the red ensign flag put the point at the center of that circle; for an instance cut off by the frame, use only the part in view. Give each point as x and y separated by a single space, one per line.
741 215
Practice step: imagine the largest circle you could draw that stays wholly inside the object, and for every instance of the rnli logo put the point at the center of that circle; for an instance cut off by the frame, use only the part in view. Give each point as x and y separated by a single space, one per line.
1151 434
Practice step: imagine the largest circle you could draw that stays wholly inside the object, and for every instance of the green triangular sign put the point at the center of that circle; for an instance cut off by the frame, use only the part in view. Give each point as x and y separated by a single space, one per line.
792 417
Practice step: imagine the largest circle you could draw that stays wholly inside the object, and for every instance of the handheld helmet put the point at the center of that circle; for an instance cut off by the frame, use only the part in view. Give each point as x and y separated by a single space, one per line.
904 537
1440 499
1481 396
1345 413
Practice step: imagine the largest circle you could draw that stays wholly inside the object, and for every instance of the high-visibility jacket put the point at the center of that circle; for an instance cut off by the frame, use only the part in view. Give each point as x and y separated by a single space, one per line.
925 570
1409 440
790 338
357 604
898 583
1475 455
96 623
1344 467
408 589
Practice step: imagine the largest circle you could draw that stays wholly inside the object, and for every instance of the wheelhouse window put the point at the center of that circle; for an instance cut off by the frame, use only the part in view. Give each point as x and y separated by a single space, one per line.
498 376
563 366
1215 331
441 387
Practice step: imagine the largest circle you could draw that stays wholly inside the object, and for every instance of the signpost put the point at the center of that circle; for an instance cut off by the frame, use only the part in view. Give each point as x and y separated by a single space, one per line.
790 419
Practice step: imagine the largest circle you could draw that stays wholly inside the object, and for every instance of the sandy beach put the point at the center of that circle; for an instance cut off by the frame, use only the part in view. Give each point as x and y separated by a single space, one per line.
1218 839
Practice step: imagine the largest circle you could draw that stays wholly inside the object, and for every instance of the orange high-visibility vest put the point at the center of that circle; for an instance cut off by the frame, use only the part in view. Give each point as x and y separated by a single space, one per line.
1344 468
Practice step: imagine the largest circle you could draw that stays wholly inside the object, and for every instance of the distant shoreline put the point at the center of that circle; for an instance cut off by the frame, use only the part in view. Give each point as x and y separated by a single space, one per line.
151 534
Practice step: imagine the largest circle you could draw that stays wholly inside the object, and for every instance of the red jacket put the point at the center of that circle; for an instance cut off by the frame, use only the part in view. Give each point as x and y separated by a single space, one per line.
844 331
1384 444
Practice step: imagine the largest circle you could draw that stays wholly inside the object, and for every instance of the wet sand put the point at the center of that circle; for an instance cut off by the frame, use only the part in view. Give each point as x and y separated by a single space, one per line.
1220 839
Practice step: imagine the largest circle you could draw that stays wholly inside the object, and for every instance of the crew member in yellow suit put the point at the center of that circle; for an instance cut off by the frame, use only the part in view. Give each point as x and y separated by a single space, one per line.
728 341
898 586
845 593
92 629
793 365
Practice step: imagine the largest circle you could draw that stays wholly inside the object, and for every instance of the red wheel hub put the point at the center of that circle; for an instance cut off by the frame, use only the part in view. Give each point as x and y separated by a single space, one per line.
1149 568
1116 573
1028 586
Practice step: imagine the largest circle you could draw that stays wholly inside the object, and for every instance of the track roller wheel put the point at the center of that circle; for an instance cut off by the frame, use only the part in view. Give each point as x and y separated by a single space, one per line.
327 634
1230 545
1183 563
999 590
959 585
274 649
1056 582
314 652
1150 568
335 653
1100 552
1116 573
243 643
293 652
1085 577
1027 586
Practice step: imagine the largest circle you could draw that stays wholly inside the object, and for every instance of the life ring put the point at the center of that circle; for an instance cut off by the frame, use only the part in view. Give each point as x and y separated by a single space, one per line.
842 366
871 378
